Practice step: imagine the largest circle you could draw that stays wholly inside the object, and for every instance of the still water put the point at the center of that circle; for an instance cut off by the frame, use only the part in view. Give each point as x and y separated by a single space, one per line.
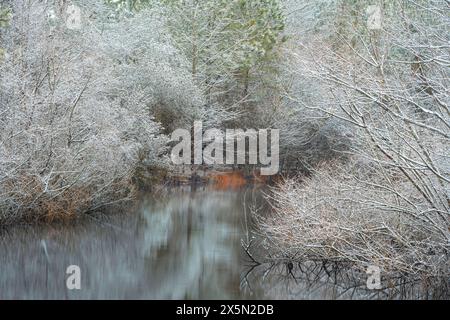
183 244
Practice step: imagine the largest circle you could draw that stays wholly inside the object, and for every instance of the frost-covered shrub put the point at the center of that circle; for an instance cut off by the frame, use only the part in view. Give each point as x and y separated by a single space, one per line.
149 70
77 106
348 214
388 205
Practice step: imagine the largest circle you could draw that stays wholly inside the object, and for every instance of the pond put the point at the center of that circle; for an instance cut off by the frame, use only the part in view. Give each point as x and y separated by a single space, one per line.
183 244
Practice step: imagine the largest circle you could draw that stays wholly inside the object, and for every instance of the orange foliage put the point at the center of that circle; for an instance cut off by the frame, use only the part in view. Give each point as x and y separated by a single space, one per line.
237 179
229 180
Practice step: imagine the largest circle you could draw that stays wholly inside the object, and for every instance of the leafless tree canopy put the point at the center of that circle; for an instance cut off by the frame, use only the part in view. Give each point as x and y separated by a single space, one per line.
74 109
388 203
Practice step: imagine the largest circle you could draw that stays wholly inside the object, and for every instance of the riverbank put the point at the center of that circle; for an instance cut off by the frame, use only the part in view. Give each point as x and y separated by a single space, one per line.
42 207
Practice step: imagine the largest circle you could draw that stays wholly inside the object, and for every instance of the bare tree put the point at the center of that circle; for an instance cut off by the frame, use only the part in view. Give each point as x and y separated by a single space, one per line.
389 204
76 106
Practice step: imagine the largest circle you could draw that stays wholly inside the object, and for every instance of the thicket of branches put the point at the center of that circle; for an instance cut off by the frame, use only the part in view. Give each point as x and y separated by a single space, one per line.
232 52
76 106
388 203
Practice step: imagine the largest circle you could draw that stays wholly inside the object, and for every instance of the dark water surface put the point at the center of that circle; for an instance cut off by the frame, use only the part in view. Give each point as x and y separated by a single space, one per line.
186 244
182 245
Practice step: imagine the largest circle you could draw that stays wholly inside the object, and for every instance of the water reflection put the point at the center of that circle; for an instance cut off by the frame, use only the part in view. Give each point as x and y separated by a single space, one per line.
328 280
183 245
